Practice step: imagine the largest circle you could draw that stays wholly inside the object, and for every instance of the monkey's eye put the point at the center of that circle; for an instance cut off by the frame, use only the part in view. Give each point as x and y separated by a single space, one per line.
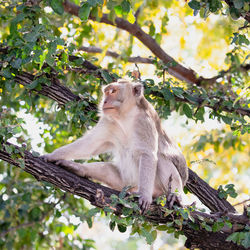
112 91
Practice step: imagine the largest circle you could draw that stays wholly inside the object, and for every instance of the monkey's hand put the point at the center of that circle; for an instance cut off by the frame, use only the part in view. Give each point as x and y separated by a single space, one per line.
73 167
52 157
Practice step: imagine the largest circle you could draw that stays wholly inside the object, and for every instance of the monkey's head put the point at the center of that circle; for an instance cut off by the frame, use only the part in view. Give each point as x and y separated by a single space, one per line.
120 97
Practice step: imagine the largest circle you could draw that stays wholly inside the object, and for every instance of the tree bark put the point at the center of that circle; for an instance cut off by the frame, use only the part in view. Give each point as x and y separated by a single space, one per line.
89 190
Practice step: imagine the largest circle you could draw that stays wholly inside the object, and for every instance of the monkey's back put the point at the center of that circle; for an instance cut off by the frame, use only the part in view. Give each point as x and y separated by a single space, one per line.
167 147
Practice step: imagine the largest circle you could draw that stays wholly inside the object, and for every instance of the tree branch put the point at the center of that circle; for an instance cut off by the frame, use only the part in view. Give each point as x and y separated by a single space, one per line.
179 71
56 91
246 16
133 59
206 194
89 190
62 94
144 60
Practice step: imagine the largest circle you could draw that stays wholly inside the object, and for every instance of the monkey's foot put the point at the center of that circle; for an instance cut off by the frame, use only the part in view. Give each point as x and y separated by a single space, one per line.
172 200
144 201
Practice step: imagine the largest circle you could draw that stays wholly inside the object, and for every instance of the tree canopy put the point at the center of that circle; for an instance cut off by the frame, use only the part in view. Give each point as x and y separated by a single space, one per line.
193 60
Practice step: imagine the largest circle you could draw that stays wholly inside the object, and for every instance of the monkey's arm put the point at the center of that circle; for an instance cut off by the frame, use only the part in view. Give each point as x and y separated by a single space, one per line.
92 143
105 172
146 138
147 173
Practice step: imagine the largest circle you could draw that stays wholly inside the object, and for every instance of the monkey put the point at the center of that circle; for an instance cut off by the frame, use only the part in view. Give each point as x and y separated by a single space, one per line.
145 158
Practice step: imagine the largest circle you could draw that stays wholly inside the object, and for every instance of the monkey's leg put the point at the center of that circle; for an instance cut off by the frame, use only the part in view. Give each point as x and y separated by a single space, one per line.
105 172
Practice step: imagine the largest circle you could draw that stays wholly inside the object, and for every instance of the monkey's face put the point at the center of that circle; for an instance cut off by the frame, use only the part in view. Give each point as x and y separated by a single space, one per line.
113 99
120 97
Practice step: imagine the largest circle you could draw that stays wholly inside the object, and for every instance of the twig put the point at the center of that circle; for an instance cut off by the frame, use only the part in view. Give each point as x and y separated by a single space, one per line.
133 59
240 203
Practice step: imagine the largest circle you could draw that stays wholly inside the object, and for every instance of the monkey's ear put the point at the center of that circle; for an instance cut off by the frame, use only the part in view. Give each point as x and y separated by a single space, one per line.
138 89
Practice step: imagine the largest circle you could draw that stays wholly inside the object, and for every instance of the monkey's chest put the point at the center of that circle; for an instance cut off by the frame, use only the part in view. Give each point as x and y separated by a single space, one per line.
127 166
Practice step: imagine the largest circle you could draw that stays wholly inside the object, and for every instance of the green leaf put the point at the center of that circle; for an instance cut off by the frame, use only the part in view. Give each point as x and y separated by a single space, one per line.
238 4
122 228
33 85
58 214
16 63
106 76
84 11
147 235
16 130
217 226
162 228
199 114
9 149
154 235
222 193
178 91
208 228
243 40
118 10
227 120
6 73
178 222
35 154
234 237
167 94
57 6
35 213
194 5
112 225
125 6
158 37
214 5
246 241
151 29
92 212
234 13
22 232
187 110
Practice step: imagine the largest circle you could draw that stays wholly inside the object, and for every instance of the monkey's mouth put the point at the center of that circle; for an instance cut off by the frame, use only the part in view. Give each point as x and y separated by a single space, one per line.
108 108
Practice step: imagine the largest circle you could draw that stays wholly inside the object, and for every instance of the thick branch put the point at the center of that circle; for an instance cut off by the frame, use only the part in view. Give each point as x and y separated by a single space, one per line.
87 189
56 91
206 194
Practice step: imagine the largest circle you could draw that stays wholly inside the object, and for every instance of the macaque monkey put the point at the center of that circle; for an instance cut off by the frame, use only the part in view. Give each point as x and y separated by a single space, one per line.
144 156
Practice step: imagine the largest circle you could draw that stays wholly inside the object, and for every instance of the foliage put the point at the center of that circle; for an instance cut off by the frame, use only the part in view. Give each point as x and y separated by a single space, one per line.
41 43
